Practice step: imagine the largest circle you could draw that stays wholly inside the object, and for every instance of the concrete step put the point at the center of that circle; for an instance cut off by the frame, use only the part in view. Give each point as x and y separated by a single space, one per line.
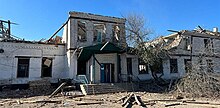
88 89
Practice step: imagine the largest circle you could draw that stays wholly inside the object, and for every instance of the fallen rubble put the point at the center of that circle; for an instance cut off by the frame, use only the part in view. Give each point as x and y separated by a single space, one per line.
199 83
109 100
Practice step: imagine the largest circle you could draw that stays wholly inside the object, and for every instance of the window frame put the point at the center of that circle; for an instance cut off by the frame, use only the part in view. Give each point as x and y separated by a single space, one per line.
99 32
45 68
84 35
21 72
143 71
157 67
174 65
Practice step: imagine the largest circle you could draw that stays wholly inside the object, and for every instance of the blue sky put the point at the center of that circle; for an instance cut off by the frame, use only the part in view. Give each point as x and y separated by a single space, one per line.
39 19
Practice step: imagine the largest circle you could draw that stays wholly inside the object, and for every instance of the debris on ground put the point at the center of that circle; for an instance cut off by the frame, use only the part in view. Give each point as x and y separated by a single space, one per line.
58 89
40 86
199 83
109 100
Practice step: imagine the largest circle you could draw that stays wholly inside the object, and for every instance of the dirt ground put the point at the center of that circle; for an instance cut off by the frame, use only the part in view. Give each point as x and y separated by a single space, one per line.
20 99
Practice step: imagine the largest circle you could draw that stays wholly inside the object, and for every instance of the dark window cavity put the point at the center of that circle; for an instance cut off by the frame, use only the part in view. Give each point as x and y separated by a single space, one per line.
99 32
81 31
46 67
188 65
173 66
206 43
157 67
23 67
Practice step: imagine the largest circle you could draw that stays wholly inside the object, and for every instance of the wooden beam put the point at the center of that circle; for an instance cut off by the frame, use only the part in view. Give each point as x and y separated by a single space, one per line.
58 89
173 104
89 103
126 101
58 30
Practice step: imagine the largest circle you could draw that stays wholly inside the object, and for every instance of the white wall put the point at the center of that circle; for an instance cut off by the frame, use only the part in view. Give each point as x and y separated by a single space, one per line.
9 59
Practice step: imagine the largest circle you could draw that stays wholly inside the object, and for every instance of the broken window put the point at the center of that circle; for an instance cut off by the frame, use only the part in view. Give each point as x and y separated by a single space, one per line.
173 66
116 33
81 31
209 65
187 44
99 33
188 65
23 67
46 67
208 44
143 67
157 67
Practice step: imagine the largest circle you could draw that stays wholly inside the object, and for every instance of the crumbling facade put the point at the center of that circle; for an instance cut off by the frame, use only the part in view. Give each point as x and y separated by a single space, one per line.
92 46
23 61
96 48
198 48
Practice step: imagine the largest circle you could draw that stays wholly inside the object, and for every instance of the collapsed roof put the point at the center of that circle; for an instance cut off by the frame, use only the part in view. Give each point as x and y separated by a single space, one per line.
173 40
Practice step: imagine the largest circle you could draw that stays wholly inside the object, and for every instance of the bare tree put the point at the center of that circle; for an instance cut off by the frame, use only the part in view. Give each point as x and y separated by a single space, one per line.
137 35
136 32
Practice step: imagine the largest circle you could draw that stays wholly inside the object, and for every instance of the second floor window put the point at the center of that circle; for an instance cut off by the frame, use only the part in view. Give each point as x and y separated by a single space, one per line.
99 33
81 31
116 33
208 44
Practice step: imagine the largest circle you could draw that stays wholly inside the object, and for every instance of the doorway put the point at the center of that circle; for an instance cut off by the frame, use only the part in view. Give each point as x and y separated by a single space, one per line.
129 69
107 73
81 68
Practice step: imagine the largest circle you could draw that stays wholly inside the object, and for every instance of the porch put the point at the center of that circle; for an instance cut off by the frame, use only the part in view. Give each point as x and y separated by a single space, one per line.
100 63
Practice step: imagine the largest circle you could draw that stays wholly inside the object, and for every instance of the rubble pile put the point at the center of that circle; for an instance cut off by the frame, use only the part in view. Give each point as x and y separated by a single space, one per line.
199 83
152 86
16 93
40 86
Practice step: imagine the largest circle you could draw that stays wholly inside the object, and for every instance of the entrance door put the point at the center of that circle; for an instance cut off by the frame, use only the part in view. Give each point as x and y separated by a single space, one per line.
107 73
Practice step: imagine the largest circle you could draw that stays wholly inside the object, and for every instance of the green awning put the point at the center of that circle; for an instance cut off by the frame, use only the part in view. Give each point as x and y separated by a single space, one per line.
87 52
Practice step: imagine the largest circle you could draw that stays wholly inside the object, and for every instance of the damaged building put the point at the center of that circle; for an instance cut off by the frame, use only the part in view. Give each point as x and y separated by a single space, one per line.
96 48
23 61
187 48
92 49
